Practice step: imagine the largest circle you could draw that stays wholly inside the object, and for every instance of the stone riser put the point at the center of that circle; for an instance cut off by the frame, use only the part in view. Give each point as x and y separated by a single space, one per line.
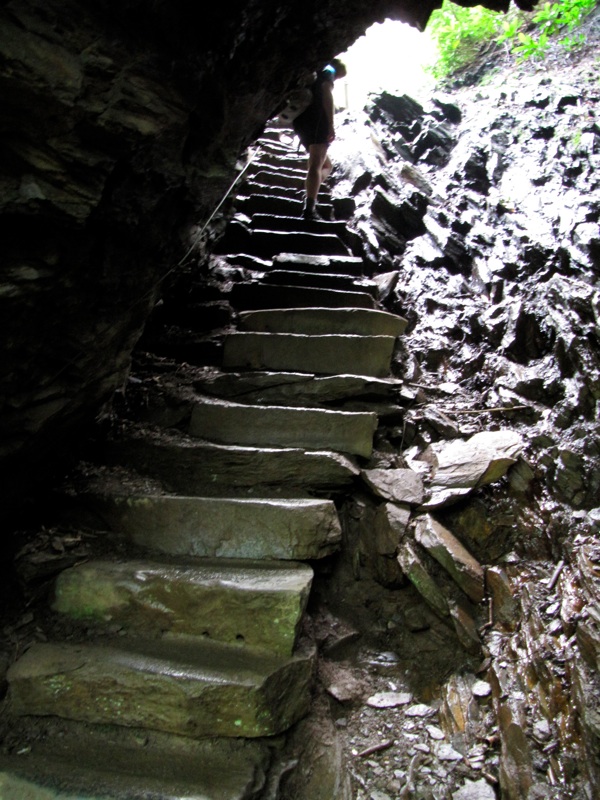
330 355
257 296
320 321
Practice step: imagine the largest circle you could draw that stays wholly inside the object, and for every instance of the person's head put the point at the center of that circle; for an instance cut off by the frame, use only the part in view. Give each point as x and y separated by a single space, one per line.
339 67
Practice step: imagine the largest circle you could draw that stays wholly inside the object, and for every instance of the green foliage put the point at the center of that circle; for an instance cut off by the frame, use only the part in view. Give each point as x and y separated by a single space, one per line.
461 33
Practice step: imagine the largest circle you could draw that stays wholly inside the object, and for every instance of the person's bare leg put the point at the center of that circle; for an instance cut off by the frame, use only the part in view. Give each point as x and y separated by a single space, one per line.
318 164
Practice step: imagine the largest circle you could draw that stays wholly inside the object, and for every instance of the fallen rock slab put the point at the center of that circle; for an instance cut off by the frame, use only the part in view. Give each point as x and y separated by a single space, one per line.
460 466
466 571
400 485
415 571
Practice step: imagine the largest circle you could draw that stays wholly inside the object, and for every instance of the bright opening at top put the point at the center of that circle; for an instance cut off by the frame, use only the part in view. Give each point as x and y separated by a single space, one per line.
391 56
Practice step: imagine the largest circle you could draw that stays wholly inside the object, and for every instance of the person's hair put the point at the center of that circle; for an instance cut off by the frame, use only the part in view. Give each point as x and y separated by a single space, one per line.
339 67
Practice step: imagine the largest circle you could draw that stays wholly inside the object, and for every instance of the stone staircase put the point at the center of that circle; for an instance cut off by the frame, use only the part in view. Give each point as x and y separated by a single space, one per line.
176 666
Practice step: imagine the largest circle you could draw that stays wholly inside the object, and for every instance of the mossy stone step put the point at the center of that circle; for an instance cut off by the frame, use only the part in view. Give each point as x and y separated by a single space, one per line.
195 690
315 429
84 764
258 605
318 321
328 354
301 528
255 296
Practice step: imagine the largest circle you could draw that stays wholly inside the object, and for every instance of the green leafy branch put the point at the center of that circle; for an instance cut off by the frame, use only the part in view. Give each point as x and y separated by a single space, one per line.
461 33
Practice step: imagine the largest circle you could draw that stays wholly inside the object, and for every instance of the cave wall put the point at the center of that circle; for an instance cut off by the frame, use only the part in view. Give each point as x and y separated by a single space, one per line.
120 127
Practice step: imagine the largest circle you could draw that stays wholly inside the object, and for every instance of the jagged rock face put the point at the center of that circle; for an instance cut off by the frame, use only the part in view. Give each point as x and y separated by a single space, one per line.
120 130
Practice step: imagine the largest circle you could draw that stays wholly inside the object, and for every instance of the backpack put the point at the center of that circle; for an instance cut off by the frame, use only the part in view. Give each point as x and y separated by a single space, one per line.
297 100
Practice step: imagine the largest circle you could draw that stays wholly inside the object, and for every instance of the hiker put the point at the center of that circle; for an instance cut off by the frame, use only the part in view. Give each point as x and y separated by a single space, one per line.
315 129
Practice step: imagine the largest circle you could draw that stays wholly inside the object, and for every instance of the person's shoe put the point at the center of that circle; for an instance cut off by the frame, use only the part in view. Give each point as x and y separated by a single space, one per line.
312 214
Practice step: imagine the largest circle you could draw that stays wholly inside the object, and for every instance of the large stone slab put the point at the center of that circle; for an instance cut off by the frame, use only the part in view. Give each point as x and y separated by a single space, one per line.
414 569
316 429
85 765
466 571
320 321
257 605
302 528
297 388
251 296
188 689
400 485
462 465
333 354
187 466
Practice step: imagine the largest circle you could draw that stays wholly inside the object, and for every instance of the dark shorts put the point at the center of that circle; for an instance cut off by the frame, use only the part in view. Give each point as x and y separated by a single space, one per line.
311 129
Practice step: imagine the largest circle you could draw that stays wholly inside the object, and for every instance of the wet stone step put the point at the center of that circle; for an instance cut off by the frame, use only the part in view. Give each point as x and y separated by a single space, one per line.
223 527
256 296
265 243
323 280
257 605
296 388
186 466
191 689
87 765
315 429
328 354
315 321
348 265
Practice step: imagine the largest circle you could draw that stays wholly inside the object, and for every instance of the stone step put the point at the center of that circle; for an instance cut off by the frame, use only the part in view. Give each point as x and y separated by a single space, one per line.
189 467
274 177
280 426
224 527
190 689
315 321
91 765
254 296
253 187
266 243
292 224
295 189
296 388
274 204
257 605
265 172
291 159
349 265
323 280
328 354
